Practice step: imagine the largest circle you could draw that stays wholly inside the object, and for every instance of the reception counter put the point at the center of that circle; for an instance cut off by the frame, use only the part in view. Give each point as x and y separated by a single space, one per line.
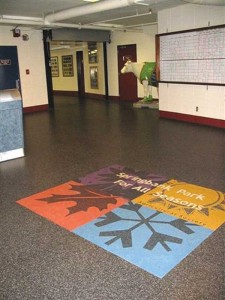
11 125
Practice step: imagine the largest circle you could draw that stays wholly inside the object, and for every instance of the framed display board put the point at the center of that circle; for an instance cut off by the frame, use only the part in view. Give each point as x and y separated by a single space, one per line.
92 52
55 66
67 65
94 77
192 56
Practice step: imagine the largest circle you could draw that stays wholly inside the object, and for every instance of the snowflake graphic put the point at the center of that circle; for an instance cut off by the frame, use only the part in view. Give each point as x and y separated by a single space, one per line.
151 222
149 239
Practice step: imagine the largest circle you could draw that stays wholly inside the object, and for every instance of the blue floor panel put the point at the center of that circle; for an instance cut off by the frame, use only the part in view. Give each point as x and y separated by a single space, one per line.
151 240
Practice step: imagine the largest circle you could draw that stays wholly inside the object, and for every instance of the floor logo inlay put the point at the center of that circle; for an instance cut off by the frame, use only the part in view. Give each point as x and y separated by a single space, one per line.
149 239
71 204
200 205
145 219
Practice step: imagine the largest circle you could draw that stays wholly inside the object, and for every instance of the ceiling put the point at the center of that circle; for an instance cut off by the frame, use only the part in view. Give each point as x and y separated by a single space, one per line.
104 14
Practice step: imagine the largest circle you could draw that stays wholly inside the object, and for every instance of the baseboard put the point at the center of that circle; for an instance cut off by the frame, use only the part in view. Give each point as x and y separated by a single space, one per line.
76 94
117 98
36 108
65 93
95 96
114 98
192 119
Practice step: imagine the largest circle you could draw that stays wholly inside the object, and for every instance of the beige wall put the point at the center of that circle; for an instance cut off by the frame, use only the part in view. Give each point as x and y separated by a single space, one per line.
185 98
70 83
31 56
65 83
145 44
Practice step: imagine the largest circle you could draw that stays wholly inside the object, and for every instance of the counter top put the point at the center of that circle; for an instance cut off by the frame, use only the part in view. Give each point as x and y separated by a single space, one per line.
9 95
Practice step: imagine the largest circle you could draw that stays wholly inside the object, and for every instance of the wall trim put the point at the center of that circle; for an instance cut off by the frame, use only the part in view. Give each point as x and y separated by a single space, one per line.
192 119
117 98
36 108
65 93
114 98
95 96
76 94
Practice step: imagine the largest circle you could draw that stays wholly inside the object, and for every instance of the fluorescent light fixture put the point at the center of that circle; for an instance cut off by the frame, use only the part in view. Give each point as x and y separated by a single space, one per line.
140 2
91 0
60 47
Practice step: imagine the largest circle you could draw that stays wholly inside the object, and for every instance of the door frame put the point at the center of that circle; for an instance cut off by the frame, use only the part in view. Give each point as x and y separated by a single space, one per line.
80 74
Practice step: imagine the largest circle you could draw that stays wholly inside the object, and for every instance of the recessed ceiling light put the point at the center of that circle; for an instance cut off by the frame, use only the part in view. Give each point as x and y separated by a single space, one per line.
91 0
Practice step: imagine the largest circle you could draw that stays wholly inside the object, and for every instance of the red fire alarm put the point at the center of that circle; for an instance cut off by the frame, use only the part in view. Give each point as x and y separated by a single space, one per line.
16 32
27 71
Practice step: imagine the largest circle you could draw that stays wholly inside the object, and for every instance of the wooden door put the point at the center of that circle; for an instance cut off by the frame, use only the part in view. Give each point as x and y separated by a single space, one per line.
128 81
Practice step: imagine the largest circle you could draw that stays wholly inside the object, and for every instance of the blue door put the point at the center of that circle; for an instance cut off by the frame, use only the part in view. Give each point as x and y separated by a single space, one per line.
9 68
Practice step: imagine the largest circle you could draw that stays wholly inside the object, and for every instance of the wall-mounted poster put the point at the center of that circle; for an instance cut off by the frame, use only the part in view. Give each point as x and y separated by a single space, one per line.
94 77
92 52
55 66
67 65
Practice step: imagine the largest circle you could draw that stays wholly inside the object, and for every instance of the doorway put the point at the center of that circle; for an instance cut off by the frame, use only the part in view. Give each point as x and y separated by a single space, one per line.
80 74
128 81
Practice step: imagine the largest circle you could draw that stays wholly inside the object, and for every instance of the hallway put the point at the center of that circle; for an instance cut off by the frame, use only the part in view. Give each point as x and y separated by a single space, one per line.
40 260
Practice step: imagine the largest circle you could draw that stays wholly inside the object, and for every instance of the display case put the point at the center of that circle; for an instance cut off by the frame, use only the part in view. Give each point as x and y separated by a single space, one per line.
11 125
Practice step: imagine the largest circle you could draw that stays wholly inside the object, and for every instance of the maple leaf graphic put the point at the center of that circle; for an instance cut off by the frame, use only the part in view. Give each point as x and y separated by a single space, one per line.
102 178
83 199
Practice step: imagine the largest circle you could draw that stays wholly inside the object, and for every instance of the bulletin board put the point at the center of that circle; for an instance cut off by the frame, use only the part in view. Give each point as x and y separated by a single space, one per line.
67 65
193 56
55 66
94 77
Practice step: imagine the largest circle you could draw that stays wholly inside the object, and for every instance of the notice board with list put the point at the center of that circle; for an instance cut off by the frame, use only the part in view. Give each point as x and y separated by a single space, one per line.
195 57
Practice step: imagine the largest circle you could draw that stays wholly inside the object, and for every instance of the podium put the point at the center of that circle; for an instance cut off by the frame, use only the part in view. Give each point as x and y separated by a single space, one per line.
11 125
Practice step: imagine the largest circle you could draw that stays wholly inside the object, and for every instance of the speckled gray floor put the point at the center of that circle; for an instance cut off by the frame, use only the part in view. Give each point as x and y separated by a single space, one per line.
40 260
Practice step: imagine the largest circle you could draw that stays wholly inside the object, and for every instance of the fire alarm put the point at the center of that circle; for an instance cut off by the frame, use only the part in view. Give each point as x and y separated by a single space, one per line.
16 32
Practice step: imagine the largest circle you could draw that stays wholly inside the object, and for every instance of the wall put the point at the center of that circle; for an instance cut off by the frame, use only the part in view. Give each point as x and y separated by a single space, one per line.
205 103
65 83
70 83
30 56
144 53
145 43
